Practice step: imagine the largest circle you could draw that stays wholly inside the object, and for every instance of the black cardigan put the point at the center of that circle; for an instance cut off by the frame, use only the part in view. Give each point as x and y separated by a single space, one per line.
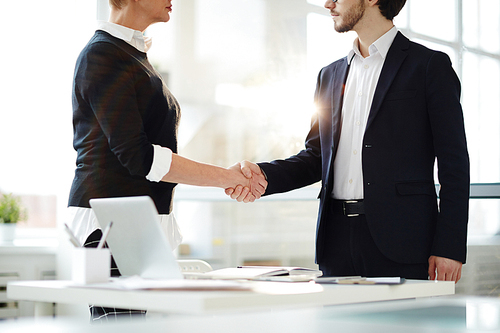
121 106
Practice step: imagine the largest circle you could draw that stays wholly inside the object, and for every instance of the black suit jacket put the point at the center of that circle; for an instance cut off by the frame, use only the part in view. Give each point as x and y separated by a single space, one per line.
121 106
415 118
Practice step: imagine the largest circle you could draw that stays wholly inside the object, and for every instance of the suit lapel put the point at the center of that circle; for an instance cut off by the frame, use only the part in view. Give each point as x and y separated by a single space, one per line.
338 83
395 57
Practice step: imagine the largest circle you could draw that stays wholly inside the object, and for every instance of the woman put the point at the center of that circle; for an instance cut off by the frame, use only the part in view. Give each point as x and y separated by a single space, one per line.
125 125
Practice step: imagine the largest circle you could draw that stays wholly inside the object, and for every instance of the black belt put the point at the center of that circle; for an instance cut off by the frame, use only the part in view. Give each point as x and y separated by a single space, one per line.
349 208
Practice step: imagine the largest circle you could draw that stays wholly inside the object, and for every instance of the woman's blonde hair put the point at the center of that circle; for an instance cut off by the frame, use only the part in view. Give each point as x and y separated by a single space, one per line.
117 3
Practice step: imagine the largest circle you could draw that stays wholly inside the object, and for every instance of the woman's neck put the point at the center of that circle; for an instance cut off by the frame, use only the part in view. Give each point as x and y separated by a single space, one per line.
127 17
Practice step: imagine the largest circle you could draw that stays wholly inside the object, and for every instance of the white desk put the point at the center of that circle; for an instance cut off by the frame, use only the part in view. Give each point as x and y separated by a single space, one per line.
429 315
266 295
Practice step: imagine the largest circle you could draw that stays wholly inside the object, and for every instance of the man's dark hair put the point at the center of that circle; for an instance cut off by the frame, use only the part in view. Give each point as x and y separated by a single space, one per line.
390 8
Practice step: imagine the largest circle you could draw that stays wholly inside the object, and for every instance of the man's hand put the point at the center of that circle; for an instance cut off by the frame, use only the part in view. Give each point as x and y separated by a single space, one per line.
258 183
444 269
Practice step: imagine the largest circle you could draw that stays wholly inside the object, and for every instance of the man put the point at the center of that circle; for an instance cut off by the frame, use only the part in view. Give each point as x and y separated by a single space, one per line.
384 114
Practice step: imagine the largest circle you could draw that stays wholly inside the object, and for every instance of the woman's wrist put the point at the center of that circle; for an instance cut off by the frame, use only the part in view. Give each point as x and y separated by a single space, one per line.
235 178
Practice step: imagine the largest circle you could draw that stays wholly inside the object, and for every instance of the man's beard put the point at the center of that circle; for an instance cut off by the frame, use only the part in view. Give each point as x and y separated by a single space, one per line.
351 17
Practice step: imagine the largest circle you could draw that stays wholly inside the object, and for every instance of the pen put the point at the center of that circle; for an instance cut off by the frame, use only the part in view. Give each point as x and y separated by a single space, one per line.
72 237
104 236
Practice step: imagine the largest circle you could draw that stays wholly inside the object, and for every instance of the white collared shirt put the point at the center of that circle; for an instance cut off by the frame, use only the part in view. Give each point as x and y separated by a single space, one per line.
131 36
360 87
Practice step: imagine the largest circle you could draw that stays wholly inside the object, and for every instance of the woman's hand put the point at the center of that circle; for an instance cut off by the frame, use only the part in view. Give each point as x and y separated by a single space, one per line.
256 186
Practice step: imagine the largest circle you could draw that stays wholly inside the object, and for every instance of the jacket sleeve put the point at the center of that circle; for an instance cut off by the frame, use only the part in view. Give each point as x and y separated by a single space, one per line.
109 117
447 123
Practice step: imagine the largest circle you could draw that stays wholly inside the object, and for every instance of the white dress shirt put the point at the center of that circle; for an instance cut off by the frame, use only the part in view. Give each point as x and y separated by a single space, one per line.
82 221
131 36
360 87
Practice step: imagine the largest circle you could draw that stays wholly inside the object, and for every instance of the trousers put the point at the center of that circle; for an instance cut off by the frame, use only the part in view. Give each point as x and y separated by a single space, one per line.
351 251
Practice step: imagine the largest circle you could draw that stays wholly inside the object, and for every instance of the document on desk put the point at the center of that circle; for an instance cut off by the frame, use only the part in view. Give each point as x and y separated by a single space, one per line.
139 283
265 273
359 280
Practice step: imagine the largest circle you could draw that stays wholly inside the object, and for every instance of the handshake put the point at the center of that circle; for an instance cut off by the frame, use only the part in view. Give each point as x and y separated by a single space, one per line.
250 183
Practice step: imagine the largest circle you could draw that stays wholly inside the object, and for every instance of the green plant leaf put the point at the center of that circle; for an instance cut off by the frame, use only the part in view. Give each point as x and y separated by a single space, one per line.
11 210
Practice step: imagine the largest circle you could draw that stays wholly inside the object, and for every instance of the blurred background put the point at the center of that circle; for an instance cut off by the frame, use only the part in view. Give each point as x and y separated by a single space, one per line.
244 72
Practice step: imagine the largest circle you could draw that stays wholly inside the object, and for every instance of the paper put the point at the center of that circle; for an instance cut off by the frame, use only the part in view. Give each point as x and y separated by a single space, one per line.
360 280
138 283
386 280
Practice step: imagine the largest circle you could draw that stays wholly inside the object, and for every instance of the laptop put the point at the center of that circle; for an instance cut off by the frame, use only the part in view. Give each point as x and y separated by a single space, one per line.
136 240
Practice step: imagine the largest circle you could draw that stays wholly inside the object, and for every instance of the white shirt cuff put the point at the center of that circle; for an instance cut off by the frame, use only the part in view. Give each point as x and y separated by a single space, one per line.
162 159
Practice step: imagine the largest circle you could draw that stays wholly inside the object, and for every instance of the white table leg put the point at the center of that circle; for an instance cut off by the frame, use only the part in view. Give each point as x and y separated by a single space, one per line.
43 309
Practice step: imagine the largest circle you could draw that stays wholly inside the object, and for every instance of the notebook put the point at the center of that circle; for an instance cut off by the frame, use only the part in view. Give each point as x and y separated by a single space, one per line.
265 273
136 241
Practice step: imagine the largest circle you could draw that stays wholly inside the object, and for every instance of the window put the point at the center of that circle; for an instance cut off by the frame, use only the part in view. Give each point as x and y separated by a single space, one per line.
37 62
244 72
468 31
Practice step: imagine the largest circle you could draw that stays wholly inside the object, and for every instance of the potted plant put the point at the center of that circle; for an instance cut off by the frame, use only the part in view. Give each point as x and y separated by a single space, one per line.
11 212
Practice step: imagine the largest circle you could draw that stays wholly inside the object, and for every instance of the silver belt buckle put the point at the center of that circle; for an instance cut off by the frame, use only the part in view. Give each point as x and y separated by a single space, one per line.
348 202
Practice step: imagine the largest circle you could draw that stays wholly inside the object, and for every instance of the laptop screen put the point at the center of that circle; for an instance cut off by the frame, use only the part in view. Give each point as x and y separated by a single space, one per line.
136 240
